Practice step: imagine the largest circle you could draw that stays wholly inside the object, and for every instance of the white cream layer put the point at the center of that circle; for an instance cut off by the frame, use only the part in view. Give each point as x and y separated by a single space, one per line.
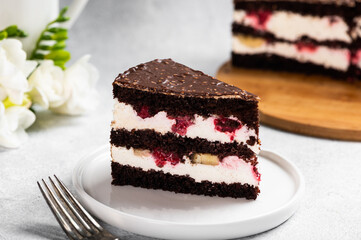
231 170
292 26
356 33
328 57
126 117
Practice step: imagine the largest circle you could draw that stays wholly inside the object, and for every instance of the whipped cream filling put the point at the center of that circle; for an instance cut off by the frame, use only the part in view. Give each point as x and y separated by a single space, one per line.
356 33
292 26
321 55
126 117
232 169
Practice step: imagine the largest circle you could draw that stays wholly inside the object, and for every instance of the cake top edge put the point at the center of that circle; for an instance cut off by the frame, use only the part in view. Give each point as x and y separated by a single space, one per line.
167 77
350 3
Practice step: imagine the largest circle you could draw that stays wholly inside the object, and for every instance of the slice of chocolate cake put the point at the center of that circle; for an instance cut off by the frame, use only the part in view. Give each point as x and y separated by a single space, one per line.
309 36
180 130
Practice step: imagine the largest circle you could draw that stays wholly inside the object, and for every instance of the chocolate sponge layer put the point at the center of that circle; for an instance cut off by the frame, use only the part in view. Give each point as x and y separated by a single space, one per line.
277 63
238 29
316 8
169 142
127 175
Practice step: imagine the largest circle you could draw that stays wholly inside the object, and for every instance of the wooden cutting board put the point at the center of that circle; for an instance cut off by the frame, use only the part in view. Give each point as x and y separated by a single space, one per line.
312 105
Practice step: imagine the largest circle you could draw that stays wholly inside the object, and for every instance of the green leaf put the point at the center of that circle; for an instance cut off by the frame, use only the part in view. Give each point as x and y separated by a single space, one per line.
3 35
45 47
22 34
59 45
57 29
46 37
58 35
60 64
58 55
62 19
63 11
12 30
38 56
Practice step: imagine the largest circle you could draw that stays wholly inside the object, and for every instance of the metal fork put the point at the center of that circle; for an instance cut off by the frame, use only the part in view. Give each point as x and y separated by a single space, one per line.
76 222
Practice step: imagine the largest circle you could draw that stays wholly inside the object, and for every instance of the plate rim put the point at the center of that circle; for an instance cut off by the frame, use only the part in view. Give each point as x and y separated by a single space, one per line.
296 174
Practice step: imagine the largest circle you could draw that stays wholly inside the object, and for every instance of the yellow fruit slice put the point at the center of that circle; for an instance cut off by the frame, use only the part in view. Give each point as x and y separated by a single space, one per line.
141 153
205 158
252 42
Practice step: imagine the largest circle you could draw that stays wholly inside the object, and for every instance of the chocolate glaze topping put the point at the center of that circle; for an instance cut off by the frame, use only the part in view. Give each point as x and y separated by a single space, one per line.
168 77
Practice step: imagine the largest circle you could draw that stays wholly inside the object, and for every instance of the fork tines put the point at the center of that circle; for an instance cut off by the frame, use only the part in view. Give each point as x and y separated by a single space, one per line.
76 222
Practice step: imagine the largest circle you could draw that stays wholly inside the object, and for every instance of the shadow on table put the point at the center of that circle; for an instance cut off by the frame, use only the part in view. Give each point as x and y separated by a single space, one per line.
46 231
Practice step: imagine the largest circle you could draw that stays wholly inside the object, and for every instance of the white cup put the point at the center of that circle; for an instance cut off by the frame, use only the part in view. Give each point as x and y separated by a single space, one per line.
33 15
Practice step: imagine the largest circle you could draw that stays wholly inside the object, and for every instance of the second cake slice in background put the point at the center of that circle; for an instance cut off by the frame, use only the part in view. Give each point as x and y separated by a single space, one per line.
306 36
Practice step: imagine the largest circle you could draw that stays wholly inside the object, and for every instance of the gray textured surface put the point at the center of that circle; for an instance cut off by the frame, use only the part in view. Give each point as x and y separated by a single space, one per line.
120 34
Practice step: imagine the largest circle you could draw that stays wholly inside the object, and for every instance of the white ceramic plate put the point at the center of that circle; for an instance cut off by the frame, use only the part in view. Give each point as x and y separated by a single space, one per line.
162 214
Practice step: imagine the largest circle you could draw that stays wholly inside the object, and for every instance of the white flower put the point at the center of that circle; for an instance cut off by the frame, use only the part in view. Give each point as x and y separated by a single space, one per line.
68 92
13 122
14 69
79 88
47 85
